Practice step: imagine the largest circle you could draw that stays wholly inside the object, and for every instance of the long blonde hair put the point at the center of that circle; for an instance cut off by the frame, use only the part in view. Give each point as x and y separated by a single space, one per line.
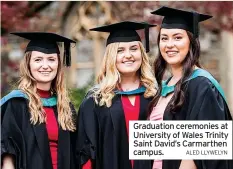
109 77
27 84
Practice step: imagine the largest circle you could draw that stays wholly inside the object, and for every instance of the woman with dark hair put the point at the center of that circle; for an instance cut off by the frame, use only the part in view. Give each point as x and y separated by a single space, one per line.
37 120
191 93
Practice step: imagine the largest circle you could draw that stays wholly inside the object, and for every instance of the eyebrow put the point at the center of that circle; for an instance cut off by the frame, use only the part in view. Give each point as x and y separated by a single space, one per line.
133 46
35 57
130 47
172 35
52 57
177 34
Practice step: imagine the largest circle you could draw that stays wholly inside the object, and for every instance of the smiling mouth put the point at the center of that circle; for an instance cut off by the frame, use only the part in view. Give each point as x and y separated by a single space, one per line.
171 53
45 73
128 62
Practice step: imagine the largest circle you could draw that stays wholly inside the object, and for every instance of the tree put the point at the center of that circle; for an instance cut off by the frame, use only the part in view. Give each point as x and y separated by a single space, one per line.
140 11
16 15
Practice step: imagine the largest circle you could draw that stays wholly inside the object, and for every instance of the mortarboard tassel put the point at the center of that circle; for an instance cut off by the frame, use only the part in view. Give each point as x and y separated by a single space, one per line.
147 38
67 57
195 24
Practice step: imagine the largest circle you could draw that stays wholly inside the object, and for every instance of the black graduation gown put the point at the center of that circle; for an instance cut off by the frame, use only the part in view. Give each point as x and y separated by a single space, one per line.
29 143
102 135
202 102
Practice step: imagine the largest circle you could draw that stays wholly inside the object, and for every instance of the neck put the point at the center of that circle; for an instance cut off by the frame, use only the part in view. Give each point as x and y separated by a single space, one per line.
176 74
129 82
43 86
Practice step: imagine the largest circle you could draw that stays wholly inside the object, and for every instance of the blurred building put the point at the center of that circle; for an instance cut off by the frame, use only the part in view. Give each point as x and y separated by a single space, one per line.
74 19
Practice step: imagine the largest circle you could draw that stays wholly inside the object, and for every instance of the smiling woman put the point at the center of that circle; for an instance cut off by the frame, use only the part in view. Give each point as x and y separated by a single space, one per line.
174 45
38 118
43 68
125 87
129 58
191 93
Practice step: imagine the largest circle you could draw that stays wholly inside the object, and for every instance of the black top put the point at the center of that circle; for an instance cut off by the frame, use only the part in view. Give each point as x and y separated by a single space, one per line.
102 135
28 143
203 101
125 32
176 18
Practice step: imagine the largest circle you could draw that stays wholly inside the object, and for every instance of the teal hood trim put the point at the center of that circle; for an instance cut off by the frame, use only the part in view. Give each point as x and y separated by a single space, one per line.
47 102
132 92
196 73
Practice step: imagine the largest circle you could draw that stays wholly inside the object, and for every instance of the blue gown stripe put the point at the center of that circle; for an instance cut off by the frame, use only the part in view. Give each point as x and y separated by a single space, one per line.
196 73
133 92
47 102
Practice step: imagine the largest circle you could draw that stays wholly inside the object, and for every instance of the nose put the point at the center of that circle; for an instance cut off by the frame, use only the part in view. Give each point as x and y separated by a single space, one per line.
170 43
128 54
45 64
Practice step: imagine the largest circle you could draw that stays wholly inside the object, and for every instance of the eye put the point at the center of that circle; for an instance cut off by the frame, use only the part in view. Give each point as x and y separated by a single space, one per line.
164 38
178 37
38 59
119 51
134 49
52 59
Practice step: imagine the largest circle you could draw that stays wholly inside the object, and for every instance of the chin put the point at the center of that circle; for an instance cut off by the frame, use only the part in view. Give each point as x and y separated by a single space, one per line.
127 72
45 80
173 61
175 64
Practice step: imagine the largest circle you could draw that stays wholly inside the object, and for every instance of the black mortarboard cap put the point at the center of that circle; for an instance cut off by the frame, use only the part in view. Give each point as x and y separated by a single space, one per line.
125 32
176 18
47 43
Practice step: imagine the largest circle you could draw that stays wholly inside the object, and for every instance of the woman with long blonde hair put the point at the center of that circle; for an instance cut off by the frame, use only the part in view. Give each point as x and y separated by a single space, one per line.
125 86
38 120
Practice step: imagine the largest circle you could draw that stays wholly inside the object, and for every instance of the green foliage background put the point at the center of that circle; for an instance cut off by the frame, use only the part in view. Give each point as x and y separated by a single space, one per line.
77 96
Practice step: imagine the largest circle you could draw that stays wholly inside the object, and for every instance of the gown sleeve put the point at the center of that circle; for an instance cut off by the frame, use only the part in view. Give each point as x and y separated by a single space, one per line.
86 134
206 103
210 105
12 140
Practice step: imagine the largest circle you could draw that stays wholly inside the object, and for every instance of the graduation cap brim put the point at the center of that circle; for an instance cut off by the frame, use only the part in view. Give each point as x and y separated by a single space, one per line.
43 36
176 18
46 42
125 32
126 25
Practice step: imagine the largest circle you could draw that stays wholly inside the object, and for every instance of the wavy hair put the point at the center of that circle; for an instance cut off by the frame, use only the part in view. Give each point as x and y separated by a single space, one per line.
160 66
109 77
27 84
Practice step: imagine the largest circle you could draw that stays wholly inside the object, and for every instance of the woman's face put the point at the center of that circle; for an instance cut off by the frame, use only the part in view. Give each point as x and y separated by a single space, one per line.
43 67
129 58
174 46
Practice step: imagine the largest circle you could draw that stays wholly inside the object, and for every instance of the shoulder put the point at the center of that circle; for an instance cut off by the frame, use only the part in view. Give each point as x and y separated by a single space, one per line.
87 103
205 80
14 107
203 86
91 91
15 97
200 82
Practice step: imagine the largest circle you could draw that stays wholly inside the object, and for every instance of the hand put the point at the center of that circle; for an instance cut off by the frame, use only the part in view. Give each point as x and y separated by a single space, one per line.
8 162
187 164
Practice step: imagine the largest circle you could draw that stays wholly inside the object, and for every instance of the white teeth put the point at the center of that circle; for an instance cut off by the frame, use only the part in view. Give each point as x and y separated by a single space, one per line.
171 53
45 73
128 62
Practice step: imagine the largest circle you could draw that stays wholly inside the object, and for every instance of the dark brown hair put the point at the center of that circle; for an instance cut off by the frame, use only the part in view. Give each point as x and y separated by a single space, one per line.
189 62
